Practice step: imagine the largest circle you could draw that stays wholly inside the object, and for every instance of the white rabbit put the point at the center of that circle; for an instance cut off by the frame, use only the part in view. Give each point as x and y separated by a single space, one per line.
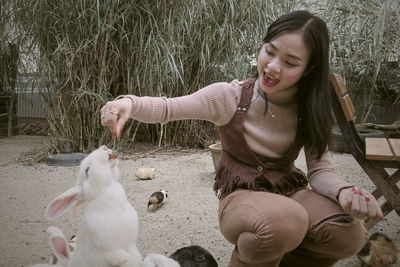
60 247
159 260
109 227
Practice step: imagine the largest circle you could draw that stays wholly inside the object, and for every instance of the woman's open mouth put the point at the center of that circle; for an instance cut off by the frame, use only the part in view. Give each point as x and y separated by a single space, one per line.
269 80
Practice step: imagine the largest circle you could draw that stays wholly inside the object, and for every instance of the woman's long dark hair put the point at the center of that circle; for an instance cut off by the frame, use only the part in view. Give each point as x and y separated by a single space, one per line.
314 87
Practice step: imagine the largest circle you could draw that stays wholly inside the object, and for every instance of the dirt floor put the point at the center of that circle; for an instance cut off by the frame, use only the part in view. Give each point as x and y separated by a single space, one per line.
189 216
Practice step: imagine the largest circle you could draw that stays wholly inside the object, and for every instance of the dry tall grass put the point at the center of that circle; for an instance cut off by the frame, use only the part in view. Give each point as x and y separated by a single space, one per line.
92 51
365 47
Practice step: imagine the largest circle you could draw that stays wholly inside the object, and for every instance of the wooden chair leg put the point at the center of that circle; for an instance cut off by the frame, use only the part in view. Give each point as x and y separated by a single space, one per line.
386 206
392 180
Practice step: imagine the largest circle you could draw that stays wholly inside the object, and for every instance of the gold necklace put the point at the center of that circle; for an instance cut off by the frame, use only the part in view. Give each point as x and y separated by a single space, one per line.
270 112
267 107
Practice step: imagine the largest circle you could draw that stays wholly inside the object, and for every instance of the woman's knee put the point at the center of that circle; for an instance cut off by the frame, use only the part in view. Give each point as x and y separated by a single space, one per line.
332 237
262 225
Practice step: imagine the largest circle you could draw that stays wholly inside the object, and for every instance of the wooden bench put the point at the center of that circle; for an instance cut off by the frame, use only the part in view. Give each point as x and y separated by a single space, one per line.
374 155
382 149
8 102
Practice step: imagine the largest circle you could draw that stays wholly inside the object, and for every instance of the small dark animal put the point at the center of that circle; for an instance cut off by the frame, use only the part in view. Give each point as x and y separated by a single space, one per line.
379 251
157 199
194 256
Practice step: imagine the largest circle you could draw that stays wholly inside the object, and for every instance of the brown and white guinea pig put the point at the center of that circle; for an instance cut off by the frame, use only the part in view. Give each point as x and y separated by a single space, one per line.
194 256
157 199
379 251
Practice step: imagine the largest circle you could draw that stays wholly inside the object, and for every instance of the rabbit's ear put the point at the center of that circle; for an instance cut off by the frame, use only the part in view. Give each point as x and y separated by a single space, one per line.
59 246
62 203
75 209
60 249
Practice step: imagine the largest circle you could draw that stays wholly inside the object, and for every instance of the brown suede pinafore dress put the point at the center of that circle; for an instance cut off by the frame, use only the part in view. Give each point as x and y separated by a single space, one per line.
241 168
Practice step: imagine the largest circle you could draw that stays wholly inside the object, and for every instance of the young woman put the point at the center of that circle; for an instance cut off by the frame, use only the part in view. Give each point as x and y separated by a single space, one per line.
266 209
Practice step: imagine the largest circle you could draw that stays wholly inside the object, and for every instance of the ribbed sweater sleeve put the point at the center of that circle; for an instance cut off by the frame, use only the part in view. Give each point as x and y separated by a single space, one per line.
216 103
322 176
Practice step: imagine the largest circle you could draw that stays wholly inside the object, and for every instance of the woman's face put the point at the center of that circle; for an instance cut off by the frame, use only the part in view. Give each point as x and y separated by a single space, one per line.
282 62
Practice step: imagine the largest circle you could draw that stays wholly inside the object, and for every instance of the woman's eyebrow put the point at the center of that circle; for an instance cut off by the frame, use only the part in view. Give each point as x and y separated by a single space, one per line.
289 55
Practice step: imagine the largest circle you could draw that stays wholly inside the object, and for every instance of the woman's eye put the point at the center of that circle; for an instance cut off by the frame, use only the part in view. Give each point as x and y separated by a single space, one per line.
290 64
269 52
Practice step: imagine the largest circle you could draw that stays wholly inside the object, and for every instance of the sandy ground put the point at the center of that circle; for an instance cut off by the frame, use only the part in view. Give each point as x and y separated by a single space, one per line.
189 217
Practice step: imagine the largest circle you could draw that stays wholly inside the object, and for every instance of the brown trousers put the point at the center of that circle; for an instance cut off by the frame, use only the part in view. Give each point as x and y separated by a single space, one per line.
304 229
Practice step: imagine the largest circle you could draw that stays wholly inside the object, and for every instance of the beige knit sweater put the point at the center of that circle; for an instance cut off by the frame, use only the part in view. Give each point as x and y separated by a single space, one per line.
268 132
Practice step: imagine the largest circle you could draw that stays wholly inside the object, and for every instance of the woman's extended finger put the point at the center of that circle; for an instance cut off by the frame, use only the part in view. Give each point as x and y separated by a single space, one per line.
371 206
379 212
122 119
377 207
355 204
364 211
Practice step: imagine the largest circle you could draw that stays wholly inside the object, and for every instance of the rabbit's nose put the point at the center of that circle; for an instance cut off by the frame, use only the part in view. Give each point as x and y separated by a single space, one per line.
103 147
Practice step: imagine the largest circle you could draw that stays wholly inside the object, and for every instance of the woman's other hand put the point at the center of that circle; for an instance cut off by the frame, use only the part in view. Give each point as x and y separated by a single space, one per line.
115 114
359 203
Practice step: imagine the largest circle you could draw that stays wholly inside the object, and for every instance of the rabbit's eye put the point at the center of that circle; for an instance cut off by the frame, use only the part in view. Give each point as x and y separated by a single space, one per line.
87 171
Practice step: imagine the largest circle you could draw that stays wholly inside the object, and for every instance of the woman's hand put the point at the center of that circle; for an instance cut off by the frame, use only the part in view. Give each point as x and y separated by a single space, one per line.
359 203
115 114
